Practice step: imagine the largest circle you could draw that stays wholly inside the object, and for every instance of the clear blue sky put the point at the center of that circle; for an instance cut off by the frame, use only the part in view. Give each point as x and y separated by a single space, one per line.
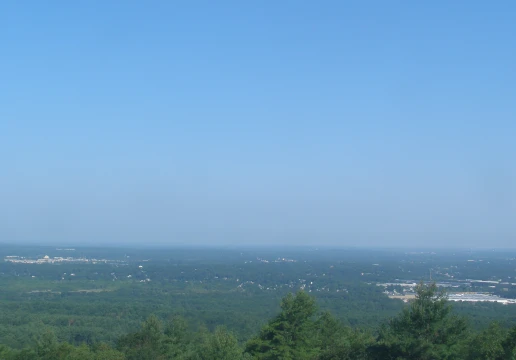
361 123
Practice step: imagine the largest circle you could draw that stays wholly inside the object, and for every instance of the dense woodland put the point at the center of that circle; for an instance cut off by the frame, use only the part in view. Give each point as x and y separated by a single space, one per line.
426 328
260 304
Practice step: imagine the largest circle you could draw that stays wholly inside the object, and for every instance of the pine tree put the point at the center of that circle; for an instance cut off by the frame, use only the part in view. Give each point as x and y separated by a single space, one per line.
290 335
425 330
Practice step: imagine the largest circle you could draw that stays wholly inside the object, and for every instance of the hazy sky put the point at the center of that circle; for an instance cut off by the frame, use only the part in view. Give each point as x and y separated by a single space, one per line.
243 122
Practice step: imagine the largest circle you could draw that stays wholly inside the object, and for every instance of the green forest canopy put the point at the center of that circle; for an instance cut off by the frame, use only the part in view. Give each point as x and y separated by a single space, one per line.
427 328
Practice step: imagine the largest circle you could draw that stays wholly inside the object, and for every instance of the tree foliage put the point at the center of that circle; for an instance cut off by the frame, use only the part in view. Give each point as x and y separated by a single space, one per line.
289 334
425 329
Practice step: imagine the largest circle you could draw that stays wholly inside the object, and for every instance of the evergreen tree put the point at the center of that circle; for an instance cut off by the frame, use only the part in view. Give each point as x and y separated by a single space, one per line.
146 344
178 340
488 344
425 330
338 342
220 345
509 344
290 335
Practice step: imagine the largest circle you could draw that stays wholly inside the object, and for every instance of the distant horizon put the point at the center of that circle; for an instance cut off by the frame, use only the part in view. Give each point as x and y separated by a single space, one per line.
136 246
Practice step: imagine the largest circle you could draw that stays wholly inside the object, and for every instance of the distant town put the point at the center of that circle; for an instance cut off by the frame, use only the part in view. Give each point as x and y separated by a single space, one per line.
59 259
405 291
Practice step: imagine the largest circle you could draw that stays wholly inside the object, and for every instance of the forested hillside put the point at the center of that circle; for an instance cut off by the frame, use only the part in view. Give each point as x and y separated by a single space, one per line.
427 328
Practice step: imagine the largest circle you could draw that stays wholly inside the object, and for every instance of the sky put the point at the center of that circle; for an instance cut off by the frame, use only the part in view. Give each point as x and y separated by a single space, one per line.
339 123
